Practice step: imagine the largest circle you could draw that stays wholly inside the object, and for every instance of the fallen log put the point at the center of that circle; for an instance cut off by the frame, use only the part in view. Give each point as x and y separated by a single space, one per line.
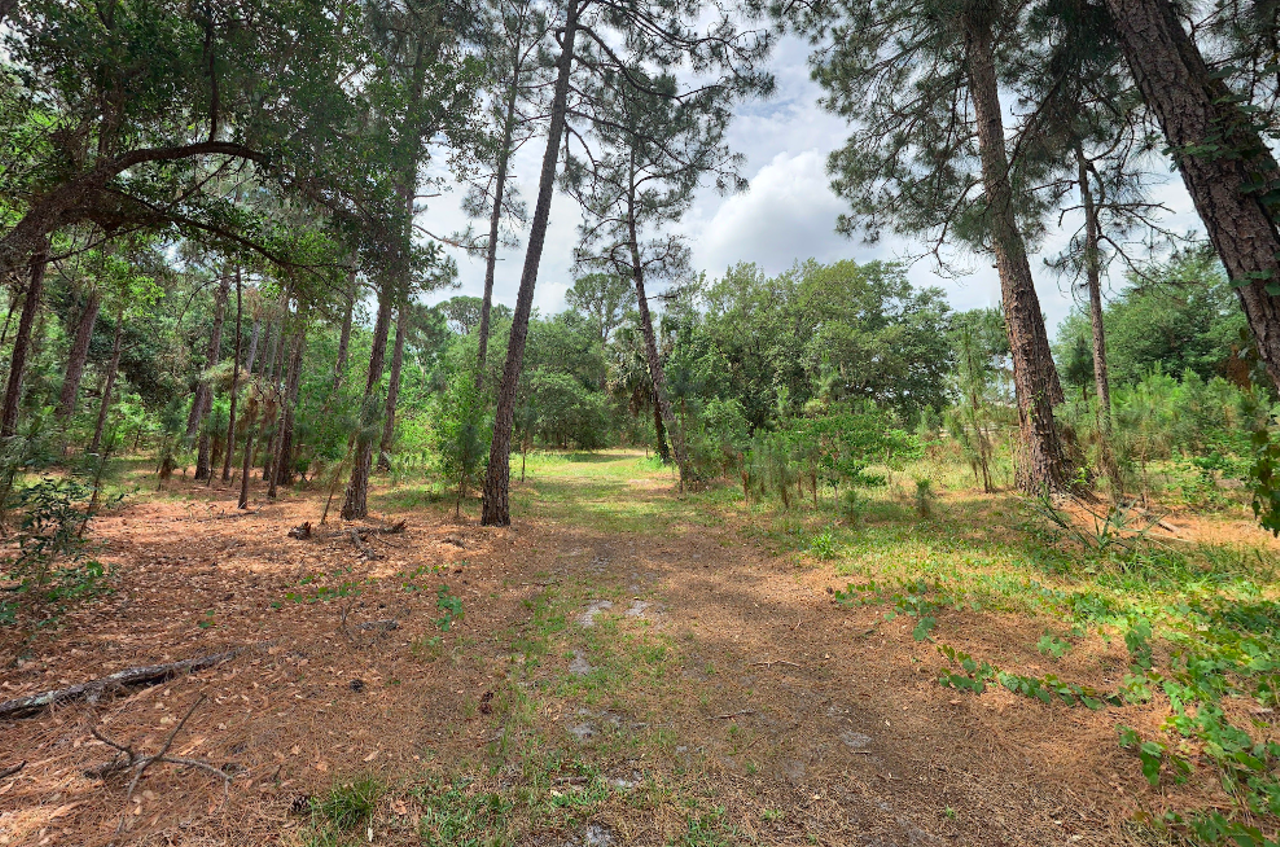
138 677
363 531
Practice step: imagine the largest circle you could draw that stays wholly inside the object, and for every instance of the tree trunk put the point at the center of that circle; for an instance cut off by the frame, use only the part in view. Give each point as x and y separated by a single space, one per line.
282 462
660 431
105 405
393 396
14 297
1042 462
230 451
491 254
270 364
344 340
22 342
204 395
496 510
656 372
1224 162
245 467
77 357
1093 278
355 502
253 347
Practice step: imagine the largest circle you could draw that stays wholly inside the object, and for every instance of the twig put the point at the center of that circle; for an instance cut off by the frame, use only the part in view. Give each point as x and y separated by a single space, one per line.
736 714
769 664
139 764
366 552
13 770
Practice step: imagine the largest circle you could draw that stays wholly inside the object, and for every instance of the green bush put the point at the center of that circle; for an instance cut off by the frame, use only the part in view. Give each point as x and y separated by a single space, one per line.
53 567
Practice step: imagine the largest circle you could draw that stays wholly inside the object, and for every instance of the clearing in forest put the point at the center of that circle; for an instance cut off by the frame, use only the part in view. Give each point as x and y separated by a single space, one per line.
624 665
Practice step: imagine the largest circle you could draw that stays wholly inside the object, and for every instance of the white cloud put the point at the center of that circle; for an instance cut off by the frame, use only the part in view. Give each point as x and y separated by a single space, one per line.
788 215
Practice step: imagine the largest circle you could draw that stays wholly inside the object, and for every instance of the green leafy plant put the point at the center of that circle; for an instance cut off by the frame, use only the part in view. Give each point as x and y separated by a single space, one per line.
924 497
348 805
451 606
823 546
1052 645
53 567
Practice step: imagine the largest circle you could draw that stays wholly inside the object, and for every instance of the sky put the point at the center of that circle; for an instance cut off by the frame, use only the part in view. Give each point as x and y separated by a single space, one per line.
787 215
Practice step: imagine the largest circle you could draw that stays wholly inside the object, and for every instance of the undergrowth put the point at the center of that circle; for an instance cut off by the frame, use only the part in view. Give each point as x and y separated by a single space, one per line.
1200 628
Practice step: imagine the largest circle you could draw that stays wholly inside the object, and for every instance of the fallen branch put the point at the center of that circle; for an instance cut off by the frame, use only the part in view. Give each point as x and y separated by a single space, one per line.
366 552
382 626
130 677
139 764
363 531
769 664
735 714
7 772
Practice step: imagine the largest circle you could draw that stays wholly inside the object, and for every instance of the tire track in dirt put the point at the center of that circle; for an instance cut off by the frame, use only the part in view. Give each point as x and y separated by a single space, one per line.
829 716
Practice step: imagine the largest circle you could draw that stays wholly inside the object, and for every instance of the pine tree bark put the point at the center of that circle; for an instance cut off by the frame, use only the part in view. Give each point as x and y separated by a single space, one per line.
660 433
282 462
253 347
355 501
1225 164
496 509
1042 463
77 357
109 384
230 451
22 342
393 396
204 395
344 340
656 372
495 219
245 467
270 365
1093 278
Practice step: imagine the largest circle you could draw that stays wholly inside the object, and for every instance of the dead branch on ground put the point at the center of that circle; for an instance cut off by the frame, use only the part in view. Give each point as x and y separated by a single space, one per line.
145 675
138 764
366 552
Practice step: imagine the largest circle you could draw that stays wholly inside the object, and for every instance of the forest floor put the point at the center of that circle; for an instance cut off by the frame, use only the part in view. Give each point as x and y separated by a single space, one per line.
624 665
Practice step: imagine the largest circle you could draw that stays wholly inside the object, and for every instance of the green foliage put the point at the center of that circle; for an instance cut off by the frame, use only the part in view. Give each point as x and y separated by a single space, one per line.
347 806
568 414
461 434
924 497
456 818
980 343
1114 529
920 599
451 607
53 567
1051 645
823 546
840 333
835 448
1179 317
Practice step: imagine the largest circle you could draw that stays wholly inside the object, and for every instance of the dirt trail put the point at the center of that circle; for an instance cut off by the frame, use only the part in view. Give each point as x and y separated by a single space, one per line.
681 662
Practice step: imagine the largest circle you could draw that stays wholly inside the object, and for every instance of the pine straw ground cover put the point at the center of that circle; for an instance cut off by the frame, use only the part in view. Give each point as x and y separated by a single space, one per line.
623 666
